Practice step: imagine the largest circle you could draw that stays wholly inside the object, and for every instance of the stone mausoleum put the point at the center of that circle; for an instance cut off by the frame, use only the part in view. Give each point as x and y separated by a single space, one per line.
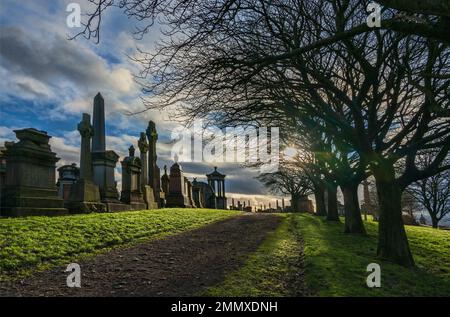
29 186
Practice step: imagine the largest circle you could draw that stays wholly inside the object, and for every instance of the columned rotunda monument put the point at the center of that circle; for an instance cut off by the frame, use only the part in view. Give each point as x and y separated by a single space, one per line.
217 181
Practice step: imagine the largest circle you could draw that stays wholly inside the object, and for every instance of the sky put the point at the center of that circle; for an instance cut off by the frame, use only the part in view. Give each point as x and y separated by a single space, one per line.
48 81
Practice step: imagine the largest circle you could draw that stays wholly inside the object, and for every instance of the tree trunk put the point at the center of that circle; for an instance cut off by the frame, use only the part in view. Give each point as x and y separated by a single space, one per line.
392 240
332 213
319 195
295 203
353 220
434 222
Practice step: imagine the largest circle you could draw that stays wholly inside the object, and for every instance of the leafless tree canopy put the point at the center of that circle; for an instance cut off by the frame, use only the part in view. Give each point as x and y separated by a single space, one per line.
362 101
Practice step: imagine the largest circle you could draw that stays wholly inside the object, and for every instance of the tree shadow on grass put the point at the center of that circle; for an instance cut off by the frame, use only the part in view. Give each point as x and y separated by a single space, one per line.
336 263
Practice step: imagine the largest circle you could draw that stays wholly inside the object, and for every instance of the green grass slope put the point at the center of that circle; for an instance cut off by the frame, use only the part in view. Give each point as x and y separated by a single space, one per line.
34 243
336 262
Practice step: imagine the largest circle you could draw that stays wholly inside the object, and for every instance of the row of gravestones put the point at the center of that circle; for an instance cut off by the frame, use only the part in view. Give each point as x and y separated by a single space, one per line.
28 179
27 176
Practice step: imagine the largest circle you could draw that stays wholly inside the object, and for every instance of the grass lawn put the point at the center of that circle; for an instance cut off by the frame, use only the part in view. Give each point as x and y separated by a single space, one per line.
35 243
335 263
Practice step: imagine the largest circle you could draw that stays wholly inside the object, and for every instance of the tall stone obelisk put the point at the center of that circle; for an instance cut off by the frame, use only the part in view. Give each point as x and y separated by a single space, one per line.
103 161
98 122
153 170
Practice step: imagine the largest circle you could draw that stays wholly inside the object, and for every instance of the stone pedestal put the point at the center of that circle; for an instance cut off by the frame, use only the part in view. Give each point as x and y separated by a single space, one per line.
85 198
103 165
131 190
29 188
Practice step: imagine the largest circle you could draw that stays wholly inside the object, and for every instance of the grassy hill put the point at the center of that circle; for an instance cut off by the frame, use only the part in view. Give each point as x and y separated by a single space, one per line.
335 263
34 243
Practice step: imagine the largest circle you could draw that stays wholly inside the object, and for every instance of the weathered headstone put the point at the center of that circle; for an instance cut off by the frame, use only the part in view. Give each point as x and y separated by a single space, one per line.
131 184
30 186
147 190
84 194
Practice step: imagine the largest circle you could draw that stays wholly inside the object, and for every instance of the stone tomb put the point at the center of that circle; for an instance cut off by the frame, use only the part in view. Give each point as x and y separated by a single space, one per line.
68 175
131 184
197 194
178 196
29 187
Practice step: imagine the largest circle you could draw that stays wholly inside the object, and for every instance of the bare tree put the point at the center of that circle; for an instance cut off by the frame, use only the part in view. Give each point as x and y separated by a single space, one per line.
430 19
382 94
288 181
433 193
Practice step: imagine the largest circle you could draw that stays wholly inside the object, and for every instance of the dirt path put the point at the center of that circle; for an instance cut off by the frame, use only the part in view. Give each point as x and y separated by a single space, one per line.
180 265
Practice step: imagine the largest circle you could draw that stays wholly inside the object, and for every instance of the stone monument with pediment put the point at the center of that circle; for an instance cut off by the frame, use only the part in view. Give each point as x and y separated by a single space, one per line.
29 187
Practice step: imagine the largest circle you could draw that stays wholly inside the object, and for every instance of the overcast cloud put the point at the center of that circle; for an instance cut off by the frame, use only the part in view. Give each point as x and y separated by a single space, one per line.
49 81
